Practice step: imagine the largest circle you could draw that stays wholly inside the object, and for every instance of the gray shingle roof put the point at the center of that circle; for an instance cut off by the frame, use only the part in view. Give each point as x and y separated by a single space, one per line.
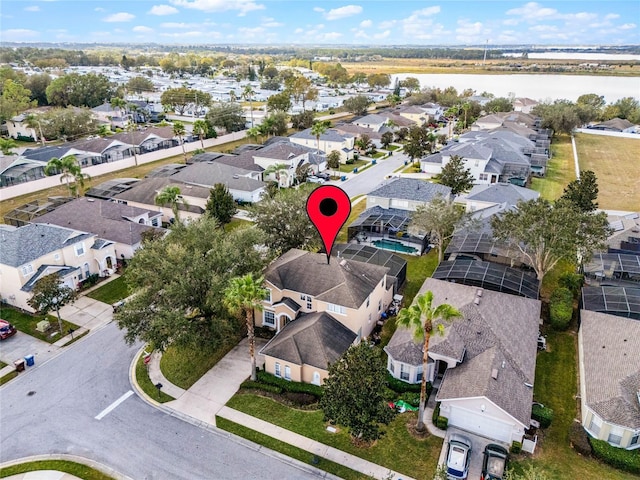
62 270
331 135
501 193
208 174
30 242
106 219
146 190
282 150
345 283
411 189
501 328
610 355
315 339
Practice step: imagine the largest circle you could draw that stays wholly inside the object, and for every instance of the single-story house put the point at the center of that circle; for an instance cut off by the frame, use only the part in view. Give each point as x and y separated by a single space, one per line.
609 363
483 366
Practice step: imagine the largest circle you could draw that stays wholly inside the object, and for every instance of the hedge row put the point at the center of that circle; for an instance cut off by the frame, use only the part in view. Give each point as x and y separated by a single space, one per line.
287 386
626 460
442 423
399 386
561 308
544 415
265 387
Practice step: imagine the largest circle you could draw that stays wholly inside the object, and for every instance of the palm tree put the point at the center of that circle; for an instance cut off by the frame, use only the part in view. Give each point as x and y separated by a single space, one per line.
179 131
118 104
7 145
32 121
277 168
200 129
245 294
248 94
232 95
419 317
318 129
255 133
171 196
131 127
69 168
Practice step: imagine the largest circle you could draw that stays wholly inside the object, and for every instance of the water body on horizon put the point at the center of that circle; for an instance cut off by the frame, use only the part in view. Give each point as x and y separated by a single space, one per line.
535 86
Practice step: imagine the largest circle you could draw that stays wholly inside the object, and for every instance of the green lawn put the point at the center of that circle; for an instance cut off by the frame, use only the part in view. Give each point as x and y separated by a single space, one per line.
393 148
289 450
27 323
556 387
111 292
184 366
145 383
560 170
349 168
9 376
237 223
2 364
356 210
378 155
396 450
77 469
418 269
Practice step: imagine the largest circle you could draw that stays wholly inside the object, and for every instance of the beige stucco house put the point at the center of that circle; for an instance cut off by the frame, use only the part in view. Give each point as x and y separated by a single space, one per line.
329 141
33 251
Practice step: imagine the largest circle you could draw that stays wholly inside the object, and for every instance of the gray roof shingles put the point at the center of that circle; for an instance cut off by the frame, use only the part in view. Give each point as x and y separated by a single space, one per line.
206 174
411 189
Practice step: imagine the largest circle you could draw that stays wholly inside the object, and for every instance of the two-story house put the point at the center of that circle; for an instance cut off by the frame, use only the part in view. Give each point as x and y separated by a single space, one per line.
33 251
350 295
284 153
329 141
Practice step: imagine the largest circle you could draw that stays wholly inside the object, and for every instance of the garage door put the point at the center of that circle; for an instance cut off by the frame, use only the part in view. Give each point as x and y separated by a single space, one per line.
480 424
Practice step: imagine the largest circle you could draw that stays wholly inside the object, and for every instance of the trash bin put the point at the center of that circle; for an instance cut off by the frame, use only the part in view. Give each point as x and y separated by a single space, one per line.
19 364
343 178
30 360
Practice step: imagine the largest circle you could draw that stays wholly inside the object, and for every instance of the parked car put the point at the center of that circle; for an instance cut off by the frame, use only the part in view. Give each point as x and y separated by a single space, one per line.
323 175
458 457
495 462
6 329
314 179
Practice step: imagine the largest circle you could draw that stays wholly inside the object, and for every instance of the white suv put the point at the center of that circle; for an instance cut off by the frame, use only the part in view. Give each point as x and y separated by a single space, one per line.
314 179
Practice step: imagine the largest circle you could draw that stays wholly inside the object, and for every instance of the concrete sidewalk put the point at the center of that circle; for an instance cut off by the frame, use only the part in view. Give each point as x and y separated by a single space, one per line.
43 475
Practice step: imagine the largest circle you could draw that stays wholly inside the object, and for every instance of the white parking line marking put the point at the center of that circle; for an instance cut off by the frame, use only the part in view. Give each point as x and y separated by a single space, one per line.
113 406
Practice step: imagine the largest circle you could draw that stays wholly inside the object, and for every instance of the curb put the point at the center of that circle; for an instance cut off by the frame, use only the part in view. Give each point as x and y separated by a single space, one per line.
71 458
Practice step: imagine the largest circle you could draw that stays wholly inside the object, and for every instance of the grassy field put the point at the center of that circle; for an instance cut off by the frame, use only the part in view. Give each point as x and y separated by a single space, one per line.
26 323
560 170
81 471
615 161
183 366
356 210
110 292
556 387
396 450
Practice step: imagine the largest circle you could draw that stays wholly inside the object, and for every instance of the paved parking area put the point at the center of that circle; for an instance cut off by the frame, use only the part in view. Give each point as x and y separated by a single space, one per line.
477 448
16 347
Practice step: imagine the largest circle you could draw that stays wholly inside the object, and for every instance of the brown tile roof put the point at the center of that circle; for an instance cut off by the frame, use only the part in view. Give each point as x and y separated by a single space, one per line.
345 283
315 339
610 356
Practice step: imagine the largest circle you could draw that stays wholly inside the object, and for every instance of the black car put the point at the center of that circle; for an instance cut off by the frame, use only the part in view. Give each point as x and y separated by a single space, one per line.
324 176
494 464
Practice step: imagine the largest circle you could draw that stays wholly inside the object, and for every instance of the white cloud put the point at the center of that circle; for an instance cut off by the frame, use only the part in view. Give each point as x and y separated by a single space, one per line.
627 26
343 12
543 28
32 8
298 31
511 21
382 35
193 34
419 25
163 10
387 24
318 9
18 35
468 32
270 22
611 16
243 6
533 11
119 17
142 29
366 24
179 25
329 36
99 9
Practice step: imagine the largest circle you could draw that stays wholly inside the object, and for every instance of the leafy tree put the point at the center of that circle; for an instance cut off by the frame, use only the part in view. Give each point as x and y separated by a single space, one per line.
357 105
333 160
50 294
221 204
419 141
64 123
200 129
140 84
298 87
280 102
411 83
187 309
7 145
283 220
180 131
171 196
254 133
627 108
311 95
583 192
530 472
71 172
386 139
440 218
302 120
420 317
376 80
318 129
545 233
245 295
499 104
38 84
302 172
277 123
88 90
353 393
226 115
393 99
455 176
364 143
14 99
561 115
179 99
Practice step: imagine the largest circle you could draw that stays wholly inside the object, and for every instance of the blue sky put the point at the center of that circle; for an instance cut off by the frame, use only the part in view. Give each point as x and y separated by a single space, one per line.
375 22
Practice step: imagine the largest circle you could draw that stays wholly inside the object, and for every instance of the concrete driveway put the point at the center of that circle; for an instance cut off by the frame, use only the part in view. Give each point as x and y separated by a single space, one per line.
16 347
87 312
216 387
477 448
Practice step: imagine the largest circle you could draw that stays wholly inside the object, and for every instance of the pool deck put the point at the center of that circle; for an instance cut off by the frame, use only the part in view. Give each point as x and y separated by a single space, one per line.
405 248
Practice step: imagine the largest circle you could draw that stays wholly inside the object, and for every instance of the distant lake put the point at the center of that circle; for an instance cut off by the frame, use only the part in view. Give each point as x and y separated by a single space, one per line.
537 87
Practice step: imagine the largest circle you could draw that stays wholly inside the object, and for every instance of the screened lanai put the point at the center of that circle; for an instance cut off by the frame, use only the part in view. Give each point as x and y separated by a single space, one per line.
109 189
390 223
618 268
375 256
620 301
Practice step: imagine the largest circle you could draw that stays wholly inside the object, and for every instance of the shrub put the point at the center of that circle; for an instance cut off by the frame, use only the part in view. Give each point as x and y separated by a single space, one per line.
580 440
287 386
350 161
412 399
626 460
436 413
544 415
561 308
23 138
516 447
301 399
442 423
265 387
399 386
572 282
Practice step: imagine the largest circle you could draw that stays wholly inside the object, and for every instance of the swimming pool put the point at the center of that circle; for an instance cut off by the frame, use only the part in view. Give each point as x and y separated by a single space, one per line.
394 246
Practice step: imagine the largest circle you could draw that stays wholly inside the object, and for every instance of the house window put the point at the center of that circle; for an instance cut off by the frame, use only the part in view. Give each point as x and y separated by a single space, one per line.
615 435
267 296
79 249
368 301
339 309
155 222
307 298
316 378
404 372
484 177
87 272
277 371
268 318
419 376
635 439
287 372
379 304
392 366
27 270
594 425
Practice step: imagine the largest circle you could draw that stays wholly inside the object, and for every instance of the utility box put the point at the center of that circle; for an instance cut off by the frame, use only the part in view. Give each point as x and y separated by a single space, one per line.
43 326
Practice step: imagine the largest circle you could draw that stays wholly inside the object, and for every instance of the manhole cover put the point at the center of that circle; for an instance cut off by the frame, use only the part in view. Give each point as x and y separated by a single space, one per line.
32 392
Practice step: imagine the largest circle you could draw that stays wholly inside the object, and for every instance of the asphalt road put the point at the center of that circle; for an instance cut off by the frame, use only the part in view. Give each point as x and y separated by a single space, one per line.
365 182
52 409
